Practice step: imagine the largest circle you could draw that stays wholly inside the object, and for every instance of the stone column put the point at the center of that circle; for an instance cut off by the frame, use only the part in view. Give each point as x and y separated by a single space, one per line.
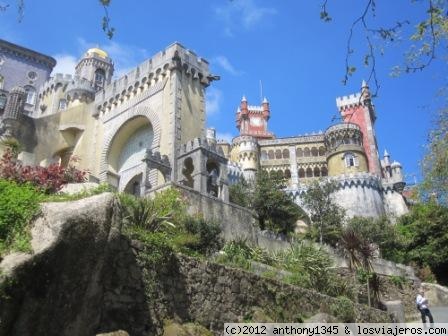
293 167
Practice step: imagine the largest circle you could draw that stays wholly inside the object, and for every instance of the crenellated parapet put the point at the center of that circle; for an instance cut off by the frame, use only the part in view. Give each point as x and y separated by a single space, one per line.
73 87
350 101
55 83
203 167
154 160
200 143
245 143
343 137
80 88
153 71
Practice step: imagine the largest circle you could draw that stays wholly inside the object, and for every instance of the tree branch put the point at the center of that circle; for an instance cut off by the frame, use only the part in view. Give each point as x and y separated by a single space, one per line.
433 41
107 28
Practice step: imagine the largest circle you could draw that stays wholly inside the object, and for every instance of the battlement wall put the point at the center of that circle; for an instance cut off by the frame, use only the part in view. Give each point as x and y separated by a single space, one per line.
55 82
245 143
155 68
296 140
349 101
199 143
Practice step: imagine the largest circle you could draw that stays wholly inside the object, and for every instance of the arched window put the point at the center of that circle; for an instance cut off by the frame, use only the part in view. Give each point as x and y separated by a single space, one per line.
301 173
287 174
314 151
309 172
316 172
62 104
100 79
278 154
2 82
286 153
299 152
350 160
271 154
264 155
2 102
30 94
321 151
324 171
306 152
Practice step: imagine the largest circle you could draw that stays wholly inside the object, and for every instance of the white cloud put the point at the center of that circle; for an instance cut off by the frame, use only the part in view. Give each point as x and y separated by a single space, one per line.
245 13
224 63
125 57
224 136
65 64
213 101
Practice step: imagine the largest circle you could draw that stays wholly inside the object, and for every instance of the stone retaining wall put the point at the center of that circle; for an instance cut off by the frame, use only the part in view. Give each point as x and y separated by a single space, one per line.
187 289
85 278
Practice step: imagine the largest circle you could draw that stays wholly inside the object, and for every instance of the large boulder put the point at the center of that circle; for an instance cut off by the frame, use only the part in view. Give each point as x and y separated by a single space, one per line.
56 290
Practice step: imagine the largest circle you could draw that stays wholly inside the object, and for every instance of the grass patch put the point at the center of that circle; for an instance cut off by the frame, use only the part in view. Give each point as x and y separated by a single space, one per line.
308 266
19 204
62 197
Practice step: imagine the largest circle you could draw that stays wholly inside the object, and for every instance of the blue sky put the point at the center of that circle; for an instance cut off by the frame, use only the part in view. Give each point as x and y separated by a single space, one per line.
298 58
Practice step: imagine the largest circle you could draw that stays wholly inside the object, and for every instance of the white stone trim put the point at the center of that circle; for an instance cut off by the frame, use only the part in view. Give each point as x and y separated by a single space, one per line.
144 111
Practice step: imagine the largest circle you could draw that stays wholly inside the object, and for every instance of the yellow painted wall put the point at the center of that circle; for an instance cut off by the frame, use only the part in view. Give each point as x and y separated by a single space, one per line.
336 164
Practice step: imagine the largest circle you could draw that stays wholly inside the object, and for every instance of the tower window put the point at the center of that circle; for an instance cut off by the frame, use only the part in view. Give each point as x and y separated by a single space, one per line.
100 78
62 104
2 102
2 81
30 94
351 160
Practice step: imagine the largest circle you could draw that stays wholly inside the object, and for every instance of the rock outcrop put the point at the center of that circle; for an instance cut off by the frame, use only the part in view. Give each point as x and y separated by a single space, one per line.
58 289
86 278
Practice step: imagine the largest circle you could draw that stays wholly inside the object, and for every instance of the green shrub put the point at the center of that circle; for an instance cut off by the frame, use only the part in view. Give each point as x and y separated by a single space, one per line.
398 280
343 309
143 213
299 279
207 233
307 259
157 249
170 202
18 205
236 253
167 213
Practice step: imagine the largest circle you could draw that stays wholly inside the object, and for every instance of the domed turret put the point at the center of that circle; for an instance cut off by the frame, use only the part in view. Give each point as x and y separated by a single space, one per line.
96 67
97 52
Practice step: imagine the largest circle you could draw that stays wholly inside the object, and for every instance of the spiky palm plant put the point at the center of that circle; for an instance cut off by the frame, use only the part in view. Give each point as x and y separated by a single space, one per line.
143 214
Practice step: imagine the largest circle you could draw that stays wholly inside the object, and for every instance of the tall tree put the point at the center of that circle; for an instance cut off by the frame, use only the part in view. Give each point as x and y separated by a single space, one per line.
425 237
276 210
326 216
435 162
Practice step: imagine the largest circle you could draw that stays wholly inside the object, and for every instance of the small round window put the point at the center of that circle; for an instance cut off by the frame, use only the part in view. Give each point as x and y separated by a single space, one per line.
32 75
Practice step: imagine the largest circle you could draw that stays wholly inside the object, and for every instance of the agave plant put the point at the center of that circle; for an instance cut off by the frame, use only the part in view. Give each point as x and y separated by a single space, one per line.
142 213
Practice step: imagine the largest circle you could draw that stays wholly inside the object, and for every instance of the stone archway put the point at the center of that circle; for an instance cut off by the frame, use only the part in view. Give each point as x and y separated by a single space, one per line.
134 186
127 131
127 149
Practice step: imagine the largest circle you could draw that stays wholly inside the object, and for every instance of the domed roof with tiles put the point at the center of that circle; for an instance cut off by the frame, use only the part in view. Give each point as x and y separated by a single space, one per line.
98 52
